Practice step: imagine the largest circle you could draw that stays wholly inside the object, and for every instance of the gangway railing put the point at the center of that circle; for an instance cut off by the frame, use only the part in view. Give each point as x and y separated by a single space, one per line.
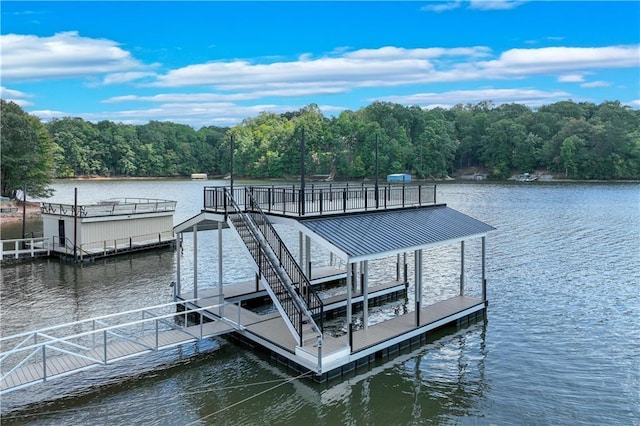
56 351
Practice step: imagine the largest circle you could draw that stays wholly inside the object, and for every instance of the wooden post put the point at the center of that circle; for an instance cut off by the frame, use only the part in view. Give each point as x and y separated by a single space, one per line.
220 287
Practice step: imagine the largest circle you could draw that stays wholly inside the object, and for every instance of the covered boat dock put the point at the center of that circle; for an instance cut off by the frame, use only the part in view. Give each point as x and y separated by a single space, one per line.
355 226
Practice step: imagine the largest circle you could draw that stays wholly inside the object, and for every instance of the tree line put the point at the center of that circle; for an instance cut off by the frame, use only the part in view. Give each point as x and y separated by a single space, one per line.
580 140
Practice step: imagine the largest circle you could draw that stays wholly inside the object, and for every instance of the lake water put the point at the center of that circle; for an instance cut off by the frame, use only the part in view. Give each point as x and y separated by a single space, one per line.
561 343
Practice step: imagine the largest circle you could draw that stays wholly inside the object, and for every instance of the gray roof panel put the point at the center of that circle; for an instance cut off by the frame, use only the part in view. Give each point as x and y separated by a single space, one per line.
368 234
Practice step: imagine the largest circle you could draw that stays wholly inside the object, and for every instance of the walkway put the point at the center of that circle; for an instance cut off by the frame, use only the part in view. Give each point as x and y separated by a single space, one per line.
61 350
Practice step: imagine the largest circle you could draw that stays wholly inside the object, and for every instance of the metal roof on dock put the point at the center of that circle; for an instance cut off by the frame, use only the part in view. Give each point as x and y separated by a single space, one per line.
379 233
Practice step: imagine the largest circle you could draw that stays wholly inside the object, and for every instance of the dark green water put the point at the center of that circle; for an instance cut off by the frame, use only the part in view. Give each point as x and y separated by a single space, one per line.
561 344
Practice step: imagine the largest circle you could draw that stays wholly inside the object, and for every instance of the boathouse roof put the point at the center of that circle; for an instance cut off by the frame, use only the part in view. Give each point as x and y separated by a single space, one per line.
379 233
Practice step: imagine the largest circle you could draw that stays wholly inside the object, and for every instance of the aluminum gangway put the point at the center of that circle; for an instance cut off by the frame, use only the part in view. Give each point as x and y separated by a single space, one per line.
37 356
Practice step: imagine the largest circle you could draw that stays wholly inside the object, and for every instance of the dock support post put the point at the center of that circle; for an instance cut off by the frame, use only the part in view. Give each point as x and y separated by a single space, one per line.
349 320
220 290
301 249
178 256
406 277
398 267
462 268
307 254
195 261
484 279
319 344
365 293
418 281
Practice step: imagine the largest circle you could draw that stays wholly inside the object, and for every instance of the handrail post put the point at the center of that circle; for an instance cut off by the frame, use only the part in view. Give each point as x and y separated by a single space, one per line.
44 362
344 199
104 349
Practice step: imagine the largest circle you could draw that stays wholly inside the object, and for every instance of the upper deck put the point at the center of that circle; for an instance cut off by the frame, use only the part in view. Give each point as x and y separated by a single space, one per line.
111 207
323 199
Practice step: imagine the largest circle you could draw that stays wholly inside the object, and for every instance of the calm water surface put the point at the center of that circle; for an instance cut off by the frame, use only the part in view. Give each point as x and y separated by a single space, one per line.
561 344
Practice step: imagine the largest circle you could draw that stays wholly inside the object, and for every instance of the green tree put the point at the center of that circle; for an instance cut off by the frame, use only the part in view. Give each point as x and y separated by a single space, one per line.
27 152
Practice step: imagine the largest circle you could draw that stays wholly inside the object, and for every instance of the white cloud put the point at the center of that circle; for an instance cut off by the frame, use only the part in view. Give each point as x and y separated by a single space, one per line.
392 66
15 96
445 6
63 55
634 103
495 4
526 96
571 78
559 60
441 6
593 84
126 77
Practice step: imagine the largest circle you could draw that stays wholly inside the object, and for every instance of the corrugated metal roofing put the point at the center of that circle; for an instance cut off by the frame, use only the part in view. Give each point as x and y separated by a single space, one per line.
380 232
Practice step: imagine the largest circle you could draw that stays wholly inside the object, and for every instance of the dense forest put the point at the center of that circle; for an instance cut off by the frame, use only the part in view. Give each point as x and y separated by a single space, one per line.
578 140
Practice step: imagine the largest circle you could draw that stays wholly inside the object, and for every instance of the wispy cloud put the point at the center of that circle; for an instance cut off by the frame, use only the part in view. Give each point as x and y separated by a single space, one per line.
527 96
445 6
594 84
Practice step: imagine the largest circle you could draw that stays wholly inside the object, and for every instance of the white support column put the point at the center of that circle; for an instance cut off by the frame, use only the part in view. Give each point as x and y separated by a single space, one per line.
220 257
195 261
178 256
301 250
349 319
220 275
462 268
354 277
484 278
418 282
307 254
365 294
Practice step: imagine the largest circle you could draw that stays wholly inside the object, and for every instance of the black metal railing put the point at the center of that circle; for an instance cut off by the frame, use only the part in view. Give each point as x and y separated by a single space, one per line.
298 278
267 266
325 198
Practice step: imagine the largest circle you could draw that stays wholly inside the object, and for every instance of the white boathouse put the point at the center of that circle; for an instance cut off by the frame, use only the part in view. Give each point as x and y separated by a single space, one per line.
107 228
356 224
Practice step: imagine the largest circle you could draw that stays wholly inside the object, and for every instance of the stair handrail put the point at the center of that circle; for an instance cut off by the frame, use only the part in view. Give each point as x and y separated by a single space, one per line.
287 261
293 307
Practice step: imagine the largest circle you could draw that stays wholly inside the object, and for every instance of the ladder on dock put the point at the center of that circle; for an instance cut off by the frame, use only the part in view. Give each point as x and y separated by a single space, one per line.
37 356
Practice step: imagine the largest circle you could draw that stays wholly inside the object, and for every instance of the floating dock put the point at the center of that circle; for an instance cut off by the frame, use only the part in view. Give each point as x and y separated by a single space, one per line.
355 225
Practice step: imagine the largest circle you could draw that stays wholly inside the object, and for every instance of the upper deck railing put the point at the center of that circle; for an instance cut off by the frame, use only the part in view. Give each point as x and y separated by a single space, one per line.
324 199
110 207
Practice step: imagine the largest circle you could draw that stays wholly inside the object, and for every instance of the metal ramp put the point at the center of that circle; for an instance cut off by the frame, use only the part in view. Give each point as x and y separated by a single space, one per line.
34 357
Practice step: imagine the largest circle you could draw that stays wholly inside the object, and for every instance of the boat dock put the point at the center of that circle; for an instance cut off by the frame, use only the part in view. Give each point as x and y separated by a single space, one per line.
355 224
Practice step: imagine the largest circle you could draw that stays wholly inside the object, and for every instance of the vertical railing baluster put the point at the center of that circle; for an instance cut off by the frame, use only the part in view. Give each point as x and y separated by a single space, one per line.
44 362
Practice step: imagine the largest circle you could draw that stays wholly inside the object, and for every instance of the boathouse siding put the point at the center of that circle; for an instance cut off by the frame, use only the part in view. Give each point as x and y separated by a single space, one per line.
108 227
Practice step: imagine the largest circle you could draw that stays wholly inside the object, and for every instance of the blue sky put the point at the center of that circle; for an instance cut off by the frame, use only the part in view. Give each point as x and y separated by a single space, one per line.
216 63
